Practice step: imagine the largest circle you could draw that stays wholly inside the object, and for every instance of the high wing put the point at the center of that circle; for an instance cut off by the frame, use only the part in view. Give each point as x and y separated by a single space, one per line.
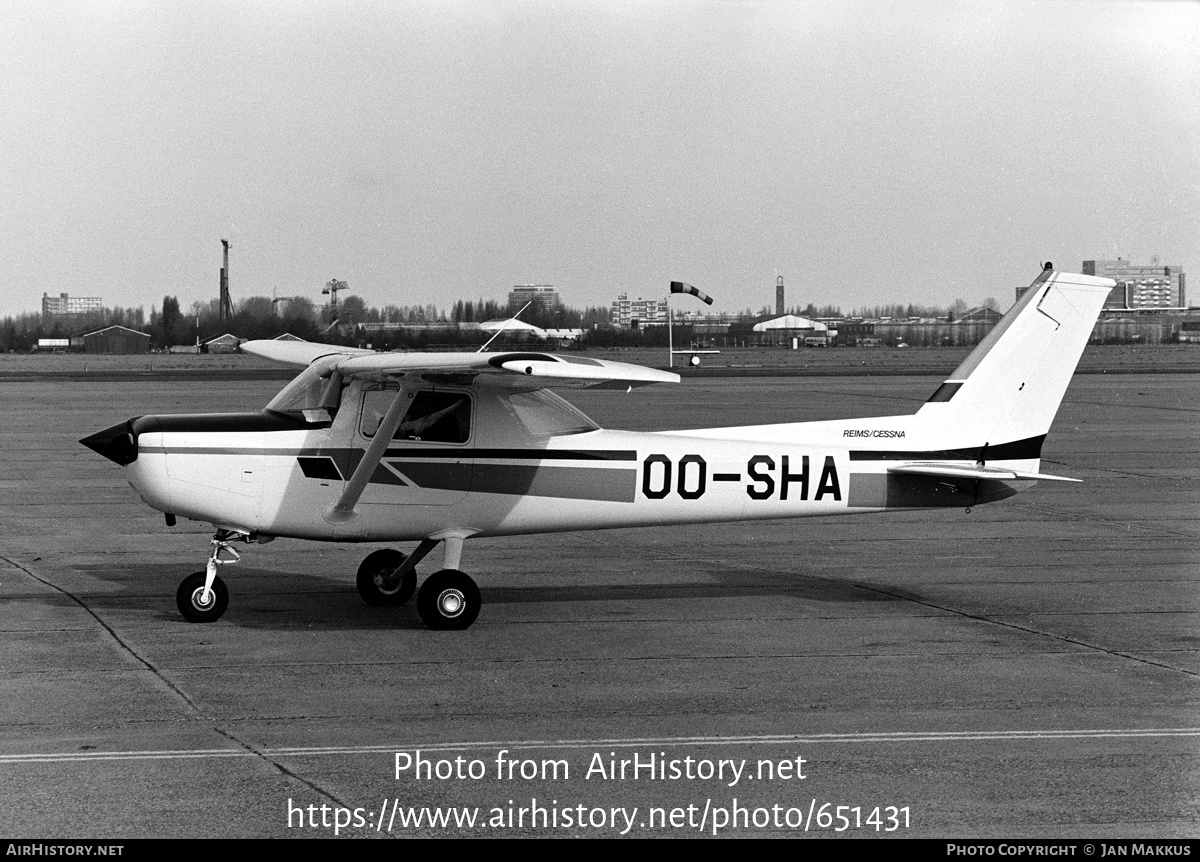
516 369
302 353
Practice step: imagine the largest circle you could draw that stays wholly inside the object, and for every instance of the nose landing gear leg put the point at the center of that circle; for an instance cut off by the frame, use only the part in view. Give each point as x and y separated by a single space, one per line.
202 597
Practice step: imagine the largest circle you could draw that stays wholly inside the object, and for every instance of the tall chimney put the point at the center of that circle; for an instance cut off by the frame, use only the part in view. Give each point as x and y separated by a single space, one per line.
224 303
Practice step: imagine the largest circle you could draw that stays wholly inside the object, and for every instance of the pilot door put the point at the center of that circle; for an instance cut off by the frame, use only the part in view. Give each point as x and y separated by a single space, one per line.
429 459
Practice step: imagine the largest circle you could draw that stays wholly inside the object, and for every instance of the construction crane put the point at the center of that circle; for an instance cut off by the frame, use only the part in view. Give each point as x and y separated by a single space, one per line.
332 289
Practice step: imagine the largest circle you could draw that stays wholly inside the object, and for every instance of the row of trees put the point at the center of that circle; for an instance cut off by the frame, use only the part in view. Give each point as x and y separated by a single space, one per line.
264 317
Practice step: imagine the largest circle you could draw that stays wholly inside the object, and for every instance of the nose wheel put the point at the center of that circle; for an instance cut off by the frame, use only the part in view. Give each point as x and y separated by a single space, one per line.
199 605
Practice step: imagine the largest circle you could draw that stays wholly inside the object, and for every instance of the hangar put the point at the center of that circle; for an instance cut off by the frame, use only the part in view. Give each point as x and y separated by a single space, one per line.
112 339
792 330
227 343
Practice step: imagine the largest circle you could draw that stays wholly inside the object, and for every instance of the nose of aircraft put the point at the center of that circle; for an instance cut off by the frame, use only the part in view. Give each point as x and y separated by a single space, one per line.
117 443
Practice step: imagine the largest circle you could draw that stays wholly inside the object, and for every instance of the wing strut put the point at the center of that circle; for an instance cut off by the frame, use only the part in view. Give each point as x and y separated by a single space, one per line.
343 510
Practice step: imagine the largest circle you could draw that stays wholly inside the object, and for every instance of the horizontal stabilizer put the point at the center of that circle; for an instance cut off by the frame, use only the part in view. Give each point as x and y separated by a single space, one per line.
960 471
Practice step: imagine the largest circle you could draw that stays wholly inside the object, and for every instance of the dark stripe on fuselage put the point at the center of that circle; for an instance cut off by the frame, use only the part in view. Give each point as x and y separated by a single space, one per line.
206 423
519 480
1030 447
569 483
518 454
459 453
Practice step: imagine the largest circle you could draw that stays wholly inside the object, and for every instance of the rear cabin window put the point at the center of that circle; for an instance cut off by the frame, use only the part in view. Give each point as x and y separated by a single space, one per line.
544 414
431 417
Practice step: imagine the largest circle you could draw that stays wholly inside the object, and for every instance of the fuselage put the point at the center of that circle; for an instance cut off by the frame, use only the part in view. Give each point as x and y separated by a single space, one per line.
486 461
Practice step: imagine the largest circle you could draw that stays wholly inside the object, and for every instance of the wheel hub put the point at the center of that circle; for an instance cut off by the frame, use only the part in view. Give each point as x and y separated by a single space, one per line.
451 603
387 582
198 599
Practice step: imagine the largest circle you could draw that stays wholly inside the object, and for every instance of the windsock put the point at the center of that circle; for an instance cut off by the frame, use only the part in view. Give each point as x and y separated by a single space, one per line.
680 287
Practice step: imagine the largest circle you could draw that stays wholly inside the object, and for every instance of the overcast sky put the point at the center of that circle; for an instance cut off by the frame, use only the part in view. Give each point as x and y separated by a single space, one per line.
426 151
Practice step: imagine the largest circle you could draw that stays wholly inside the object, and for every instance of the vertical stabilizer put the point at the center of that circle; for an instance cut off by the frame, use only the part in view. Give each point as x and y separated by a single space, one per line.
1006 393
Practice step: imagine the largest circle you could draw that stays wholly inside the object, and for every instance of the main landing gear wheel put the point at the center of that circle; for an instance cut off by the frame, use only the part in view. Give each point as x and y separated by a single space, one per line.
189 599
448 599
377 582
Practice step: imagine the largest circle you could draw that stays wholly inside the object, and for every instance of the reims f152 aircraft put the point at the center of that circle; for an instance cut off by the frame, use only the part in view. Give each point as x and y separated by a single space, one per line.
441 447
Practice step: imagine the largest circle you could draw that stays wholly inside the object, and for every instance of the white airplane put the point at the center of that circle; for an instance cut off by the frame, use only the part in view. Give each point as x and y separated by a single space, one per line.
442 447
518 328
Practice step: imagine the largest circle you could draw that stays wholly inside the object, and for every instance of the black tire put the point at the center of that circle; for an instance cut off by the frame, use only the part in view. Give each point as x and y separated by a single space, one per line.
448 599
187 599
376 583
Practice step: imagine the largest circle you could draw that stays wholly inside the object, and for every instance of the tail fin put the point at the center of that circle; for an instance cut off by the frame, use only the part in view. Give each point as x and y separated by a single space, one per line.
1006 393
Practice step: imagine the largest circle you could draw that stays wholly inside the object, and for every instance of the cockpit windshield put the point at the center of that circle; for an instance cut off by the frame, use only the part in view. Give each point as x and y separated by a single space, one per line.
314 396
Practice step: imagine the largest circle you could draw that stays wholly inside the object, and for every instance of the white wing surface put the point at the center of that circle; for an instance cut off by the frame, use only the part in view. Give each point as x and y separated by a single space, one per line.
302 353
519 369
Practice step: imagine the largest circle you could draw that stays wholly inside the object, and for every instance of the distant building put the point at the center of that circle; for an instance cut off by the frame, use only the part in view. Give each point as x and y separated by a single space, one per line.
1153 286
227 343
858 332
790 330
966 330
112 339
543 296
1138 287
779 296
55 306
981 314
638 312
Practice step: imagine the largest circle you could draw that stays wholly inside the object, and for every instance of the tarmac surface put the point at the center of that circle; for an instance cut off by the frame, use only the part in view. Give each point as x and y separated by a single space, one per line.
1028 669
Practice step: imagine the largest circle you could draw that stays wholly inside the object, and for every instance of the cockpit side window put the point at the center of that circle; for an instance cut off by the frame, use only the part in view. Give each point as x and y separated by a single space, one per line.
377 398
432 416
438 417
